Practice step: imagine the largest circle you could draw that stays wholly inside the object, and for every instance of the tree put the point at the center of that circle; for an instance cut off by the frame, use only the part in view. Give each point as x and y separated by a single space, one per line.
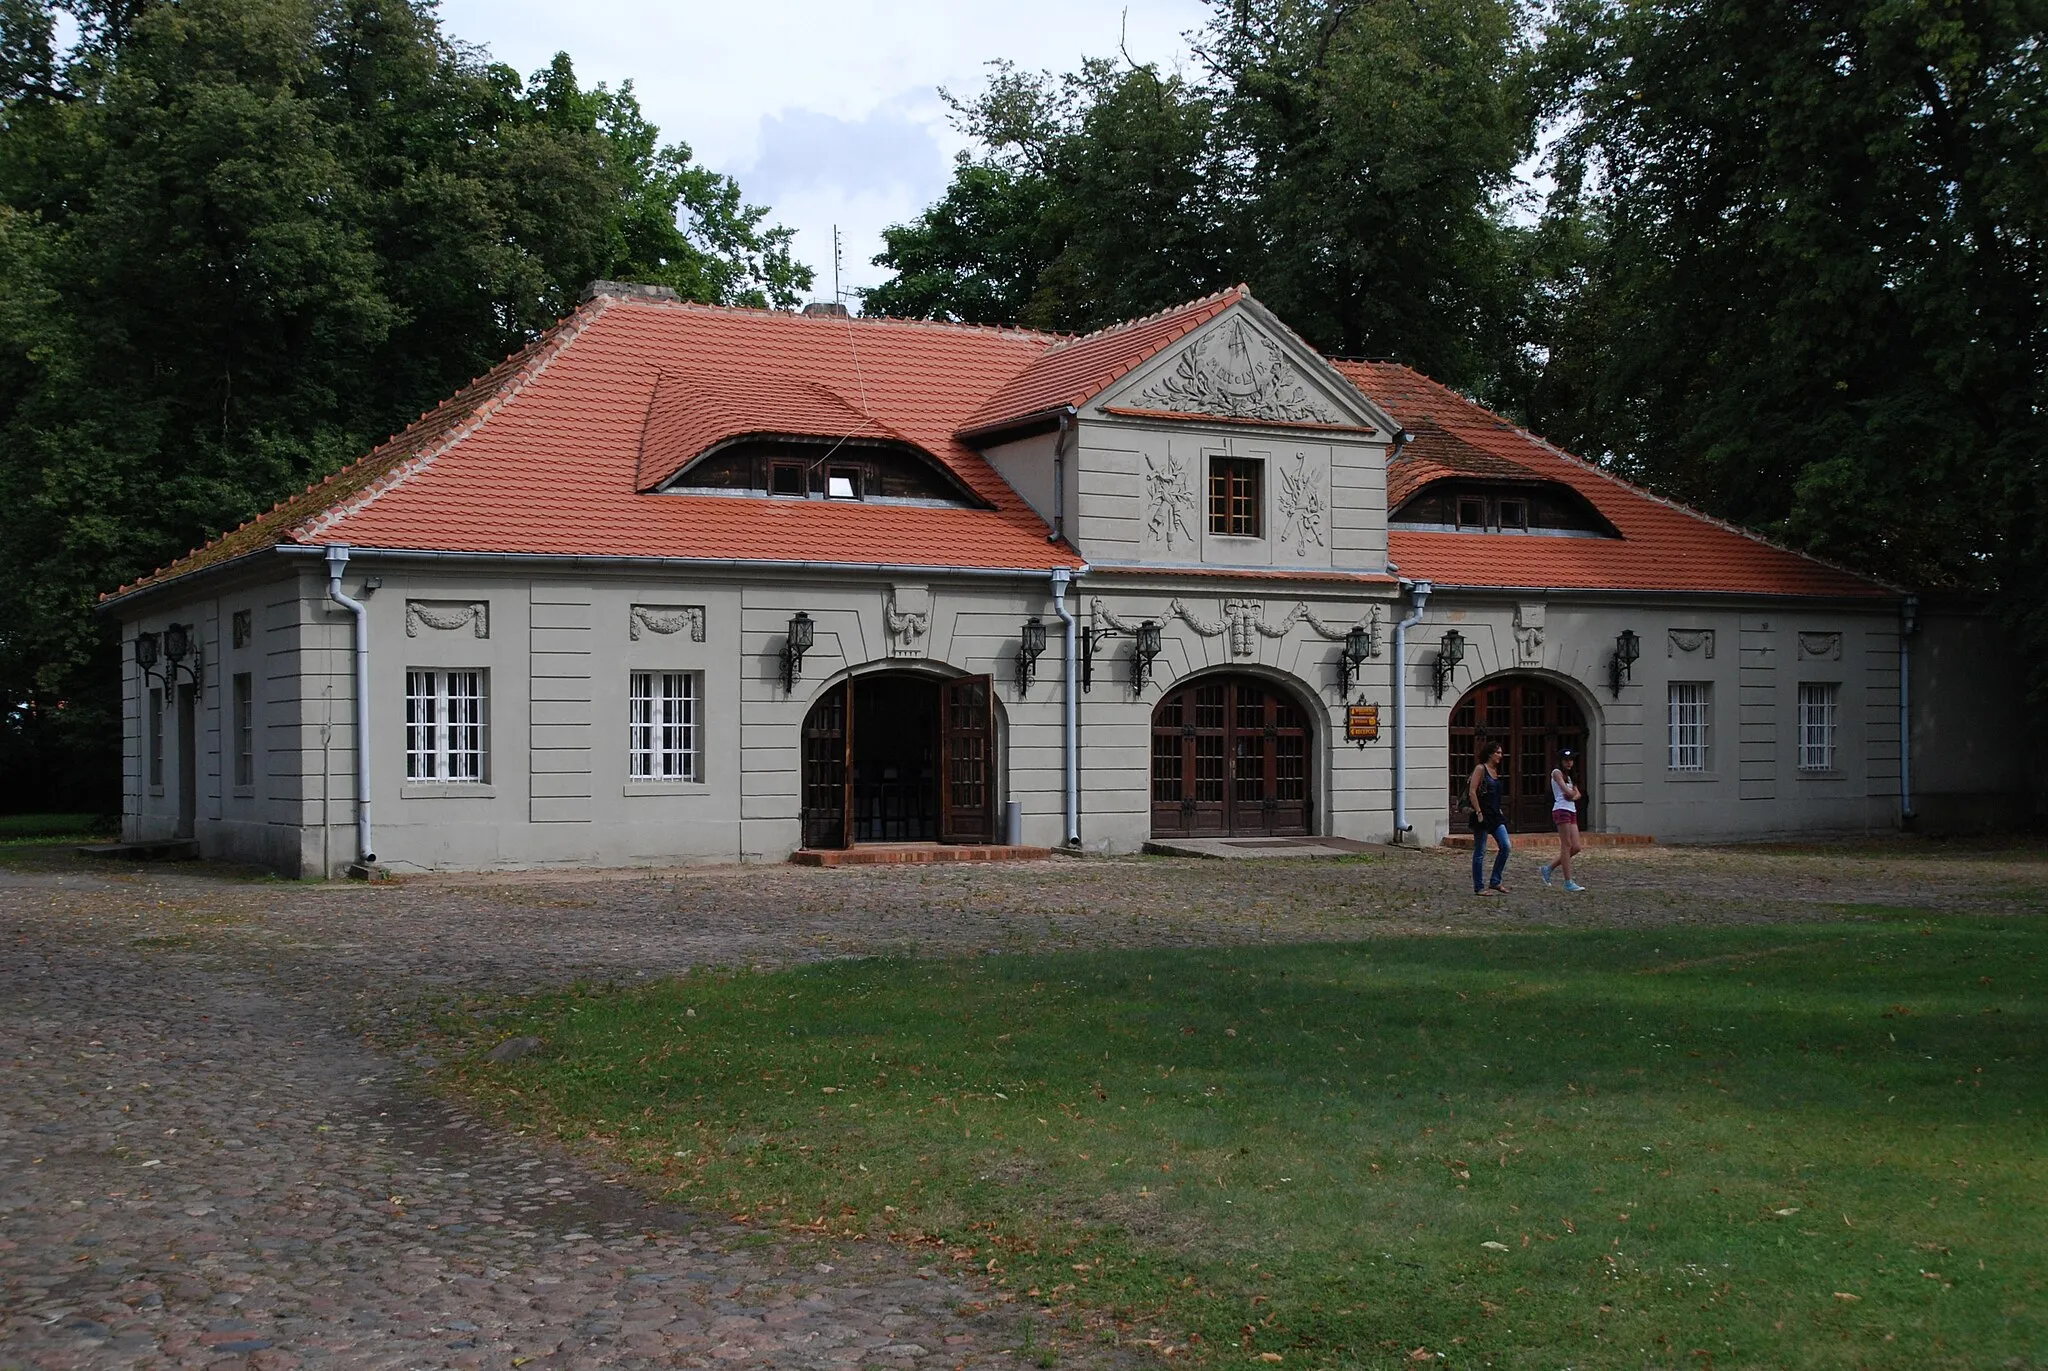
242 240
1812 290
1352 160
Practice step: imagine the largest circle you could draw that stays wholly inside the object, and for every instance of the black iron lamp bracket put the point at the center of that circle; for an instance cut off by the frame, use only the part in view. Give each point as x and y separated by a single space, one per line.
1450 650
794 646
1628 647
1146 644
1030 645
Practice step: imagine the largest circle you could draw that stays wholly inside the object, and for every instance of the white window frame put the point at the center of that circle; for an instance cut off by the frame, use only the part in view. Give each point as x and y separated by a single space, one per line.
447 726
1820 712
244 702
153 731
1690 720
664 726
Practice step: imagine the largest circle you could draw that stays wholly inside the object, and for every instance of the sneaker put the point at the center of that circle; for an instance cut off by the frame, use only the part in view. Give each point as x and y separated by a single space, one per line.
1573 886
1544 872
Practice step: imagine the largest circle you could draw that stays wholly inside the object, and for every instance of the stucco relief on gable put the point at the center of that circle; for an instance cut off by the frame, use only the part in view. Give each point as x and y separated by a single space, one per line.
1302 507
1529 634
447 616
1235 372
1169 500
666 619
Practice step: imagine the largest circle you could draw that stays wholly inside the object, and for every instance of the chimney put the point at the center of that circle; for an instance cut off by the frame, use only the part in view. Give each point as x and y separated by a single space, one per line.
826 309
632 290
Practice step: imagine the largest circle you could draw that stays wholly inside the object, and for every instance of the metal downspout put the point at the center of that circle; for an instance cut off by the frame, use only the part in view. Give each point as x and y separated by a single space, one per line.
337 562
1419 590
1070 709
1059 479
1909 610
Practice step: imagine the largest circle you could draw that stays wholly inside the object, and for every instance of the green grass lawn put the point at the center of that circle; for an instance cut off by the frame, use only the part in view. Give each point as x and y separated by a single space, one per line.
50 827
1810 1146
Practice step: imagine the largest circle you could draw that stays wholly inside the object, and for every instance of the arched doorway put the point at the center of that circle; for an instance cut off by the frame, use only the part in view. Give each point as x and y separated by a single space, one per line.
1534 719
897 756
1230 758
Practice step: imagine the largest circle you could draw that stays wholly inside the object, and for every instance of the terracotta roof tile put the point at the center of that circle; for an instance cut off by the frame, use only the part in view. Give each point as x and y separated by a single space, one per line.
1078 369
1663 546
689 412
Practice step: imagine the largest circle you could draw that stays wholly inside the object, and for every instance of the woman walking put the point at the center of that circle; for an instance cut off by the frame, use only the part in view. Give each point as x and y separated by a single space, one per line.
1564 812
1483 793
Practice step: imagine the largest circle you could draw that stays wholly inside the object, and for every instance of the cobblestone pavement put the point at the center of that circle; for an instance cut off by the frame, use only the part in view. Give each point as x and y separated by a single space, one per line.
205 1162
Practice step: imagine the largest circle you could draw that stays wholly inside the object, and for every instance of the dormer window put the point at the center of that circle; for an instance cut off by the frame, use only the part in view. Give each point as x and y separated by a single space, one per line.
849 469
1527 507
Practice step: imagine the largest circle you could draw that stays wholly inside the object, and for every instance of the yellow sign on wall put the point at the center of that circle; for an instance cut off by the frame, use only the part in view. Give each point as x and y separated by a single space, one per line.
1362 723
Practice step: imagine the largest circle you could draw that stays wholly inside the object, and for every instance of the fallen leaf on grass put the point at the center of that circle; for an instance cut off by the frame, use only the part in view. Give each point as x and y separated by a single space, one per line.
1786 1213
1846 1297
1494 1246
1270 1356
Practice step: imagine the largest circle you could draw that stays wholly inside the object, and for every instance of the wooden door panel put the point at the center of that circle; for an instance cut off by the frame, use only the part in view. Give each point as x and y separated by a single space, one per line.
1230 758
827 739
1533 720
968 753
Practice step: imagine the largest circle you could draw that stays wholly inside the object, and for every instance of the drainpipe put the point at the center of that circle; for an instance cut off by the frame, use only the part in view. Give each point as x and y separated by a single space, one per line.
1070 723
1419 592
1909 610
337 562
1059 478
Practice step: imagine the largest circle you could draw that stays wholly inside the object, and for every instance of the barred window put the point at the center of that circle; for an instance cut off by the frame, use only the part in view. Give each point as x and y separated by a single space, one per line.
445 721
245 729
1817 708
661 742
154 726
1691 721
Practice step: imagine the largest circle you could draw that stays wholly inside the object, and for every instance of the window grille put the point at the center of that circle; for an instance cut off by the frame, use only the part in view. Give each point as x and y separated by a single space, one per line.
1691 720
1817 709
1234 489
444 726
662 726
245 729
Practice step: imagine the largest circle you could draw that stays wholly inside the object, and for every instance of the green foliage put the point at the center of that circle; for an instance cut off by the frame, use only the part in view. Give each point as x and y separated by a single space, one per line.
1352 162
243 240
1587 1148
1810 281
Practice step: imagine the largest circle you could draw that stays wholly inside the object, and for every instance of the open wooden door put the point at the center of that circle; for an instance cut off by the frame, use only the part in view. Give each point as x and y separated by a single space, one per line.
967 723
828 742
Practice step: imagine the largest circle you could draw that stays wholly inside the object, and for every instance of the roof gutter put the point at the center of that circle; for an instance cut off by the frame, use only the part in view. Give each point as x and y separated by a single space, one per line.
1017 573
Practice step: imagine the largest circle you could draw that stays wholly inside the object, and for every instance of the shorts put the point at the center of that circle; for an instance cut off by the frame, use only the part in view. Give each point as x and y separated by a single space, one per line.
1561 817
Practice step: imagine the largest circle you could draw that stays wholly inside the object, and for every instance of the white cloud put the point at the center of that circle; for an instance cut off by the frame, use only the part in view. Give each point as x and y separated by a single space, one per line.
829 113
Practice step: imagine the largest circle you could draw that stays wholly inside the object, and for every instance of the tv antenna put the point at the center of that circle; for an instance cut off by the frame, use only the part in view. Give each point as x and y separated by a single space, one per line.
837 294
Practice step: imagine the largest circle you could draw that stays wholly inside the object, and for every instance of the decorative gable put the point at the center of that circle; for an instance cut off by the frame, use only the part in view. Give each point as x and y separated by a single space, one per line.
1235 372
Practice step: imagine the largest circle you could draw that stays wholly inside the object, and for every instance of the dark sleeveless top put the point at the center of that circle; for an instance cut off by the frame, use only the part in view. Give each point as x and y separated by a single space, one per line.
1489 800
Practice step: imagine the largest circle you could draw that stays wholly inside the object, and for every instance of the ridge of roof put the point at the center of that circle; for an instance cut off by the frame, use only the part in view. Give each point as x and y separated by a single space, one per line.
1073 369
545 350
1348 368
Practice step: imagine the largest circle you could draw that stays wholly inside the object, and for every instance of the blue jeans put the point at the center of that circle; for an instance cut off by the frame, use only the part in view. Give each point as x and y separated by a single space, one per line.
1499 834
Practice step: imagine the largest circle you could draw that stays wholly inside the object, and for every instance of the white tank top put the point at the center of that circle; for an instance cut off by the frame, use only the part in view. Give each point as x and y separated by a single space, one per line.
1557 797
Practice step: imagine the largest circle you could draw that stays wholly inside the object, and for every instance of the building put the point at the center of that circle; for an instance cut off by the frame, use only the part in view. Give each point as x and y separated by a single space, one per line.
681 583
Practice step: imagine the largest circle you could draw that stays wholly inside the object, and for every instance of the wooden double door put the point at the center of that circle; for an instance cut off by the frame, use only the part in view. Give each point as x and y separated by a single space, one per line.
1231 757
899 757
1534 720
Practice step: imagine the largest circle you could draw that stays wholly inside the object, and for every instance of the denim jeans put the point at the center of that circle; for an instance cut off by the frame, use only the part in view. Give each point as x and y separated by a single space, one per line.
1500 861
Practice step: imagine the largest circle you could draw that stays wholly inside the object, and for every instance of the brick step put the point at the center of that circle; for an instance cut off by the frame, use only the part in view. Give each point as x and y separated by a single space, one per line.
916 854
1549 839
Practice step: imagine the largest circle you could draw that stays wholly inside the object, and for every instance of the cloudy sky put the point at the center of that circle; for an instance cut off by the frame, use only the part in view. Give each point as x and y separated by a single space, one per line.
827 110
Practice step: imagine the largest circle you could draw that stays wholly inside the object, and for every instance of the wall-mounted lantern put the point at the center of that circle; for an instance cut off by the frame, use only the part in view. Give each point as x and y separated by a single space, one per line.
1359 644
1450 650
793 649
1030 647
1149 643
1627 648
147 645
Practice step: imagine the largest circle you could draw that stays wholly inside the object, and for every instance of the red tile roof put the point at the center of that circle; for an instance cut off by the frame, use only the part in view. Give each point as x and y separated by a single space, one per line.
551 453
1077 369
1663 546
688 412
